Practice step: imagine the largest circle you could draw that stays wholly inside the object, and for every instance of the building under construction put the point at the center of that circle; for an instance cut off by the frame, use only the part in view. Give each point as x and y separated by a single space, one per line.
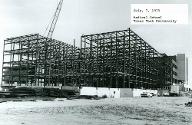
122 59
34 60
119 59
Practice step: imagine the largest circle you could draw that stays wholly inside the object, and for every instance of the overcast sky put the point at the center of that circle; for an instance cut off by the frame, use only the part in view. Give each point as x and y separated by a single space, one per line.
20 17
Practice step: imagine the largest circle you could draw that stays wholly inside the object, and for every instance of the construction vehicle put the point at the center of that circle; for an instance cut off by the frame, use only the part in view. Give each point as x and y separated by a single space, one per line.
175 90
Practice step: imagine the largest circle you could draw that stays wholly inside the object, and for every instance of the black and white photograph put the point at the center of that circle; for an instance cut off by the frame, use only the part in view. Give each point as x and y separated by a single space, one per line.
95 62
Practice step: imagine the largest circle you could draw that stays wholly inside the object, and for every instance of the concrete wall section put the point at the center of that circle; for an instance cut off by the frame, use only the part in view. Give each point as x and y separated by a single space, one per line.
114 92
137 92
126 92
101 91
88 91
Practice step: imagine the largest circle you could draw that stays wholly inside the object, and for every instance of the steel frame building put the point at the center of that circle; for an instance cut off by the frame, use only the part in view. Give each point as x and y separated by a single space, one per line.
119 59
122 59
34 60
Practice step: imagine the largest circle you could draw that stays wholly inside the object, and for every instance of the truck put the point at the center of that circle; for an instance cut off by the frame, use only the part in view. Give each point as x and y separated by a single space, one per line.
175 90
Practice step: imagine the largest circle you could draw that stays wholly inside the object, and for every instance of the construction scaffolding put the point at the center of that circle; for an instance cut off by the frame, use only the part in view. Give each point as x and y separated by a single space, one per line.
34 60
120 59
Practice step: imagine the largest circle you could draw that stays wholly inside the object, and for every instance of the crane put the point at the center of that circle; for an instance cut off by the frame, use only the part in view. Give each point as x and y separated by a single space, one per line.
54 21
51 28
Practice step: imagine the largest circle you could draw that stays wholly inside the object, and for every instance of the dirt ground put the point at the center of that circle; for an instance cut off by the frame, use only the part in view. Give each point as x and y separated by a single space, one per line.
109 111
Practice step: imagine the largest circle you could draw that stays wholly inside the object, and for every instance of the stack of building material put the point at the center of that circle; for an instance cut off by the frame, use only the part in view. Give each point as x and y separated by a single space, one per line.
22 91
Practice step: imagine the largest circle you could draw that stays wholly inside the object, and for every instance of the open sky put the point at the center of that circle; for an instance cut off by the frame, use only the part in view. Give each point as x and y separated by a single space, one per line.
20 17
